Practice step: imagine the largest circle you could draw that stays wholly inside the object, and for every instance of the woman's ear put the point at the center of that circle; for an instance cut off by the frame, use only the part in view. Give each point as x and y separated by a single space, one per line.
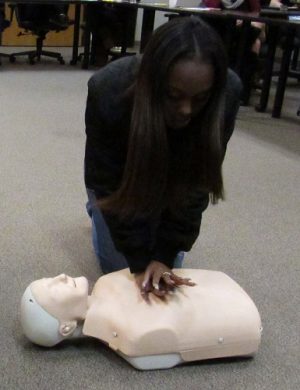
67 328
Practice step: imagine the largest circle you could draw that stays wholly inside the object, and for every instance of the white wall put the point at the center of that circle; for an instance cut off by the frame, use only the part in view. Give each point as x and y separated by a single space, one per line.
159 19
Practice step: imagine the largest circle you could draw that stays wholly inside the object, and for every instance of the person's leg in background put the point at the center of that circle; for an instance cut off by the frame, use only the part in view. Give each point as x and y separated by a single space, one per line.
249 71
103 23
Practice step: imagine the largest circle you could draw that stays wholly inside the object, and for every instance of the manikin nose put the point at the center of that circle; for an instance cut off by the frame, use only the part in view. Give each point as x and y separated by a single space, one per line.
61 277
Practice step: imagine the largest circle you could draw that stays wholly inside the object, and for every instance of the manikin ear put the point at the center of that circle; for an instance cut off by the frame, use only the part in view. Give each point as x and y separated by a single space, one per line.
67 328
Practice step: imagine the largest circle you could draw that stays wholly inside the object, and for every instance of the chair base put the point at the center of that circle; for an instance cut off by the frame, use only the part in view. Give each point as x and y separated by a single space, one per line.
4 55
34 54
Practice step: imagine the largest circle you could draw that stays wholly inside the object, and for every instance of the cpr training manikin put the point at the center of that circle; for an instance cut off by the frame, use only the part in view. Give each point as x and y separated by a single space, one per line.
215 318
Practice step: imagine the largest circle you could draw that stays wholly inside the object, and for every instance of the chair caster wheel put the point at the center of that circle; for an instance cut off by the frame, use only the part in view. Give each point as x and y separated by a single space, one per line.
12 59
31 61
73 62
62 62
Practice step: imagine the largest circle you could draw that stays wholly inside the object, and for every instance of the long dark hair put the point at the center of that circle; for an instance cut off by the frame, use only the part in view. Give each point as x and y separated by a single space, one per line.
155 176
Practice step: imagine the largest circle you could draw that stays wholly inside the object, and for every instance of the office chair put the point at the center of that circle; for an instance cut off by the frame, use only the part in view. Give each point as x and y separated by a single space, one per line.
39 20
3 25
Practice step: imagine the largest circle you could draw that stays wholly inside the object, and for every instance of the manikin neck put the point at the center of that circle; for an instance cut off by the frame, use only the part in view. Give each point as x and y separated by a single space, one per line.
78 333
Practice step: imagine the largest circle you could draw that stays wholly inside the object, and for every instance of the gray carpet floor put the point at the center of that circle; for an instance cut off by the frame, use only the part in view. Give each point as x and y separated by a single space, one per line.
253 236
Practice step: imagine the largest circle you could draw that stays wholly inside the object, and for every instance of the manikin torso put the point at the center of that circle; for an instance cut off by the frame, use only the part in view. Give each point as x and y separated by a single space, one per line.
215 318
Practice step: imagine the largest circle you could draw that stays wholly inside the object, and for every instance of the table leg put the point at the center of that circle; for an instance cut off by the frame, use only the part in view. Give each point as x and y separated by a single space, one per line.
87 39
147 27
229 34
273 33
283 73
125 23
76 34
242 46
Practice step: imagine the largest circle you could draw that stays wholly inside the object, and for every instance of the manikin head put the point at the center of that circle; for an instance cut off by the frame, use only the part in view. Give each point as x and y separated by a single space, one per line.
52 309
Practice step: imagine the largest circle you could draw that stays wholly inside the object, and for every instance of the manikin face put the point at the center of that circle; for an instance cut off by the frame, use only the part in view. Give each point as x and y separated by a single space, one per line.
188 89
63 297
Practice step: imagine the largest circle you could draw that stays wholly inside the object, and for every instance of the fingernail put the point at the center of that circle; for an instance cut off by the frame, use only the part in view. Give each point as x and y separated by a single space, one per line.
155 285
144 284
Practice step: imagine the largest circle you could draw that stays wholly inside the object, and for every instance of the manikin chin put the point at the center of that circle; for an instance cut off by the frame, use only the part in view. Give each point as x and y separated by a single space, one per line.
216 318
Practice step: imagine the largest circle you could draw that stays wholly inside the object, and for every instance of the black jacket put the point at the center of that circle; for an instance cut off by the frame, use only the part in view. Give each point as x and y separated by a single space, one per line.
107 125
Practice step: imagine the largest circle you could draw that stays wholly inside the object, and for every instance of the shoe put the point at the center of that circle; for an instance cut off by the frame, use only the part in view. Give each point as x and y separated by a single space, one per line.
99 54
100 59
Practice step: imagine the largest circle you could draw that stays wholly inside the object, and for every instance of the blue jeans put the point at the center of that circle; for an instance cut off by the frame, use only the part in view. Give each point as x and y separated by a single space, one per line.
109 257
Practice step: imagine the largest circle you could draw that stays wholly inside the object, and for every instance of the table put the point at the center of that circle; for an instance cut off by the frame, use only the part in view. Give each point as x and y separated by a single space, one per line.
230 18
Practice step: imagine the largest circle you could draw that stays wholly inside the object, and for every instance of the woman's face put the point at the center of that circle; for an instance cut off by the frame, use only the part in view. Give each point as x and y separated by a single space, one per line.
188 89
